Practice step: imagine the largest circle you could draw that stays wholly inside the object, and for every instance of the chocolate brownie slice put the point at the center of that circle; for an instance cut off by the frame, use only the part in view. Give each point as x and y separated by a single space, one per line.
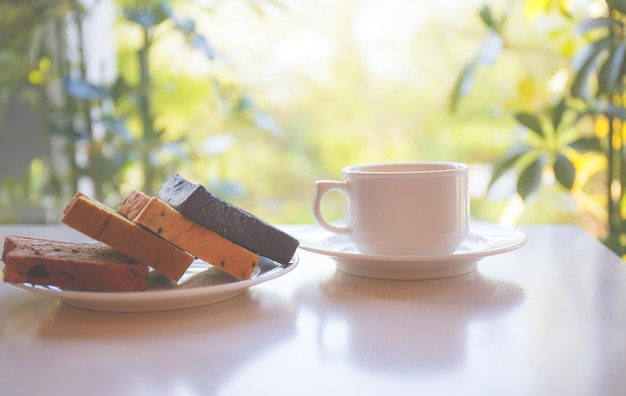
196 203
165 221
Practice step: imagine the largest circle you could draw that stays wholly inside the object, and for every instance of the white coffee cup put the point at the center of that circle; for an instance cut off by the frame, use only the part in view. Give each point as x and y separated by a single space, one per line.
412 208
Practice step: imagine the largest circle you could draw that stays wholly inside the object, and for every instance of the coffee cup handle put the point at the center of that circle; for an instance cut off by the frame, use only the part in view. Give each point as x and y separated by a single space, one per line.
321 188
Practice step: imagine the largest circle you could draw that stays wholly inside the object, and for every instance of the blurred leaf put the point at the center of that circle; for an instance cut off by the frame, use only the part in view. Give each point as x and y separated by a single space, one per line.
619 5
609 76
167 10
564 171
266 122
146 17
245 103
217 144
142 18
612 111
226 188
201 43
487 17
463 84
557 114
508 162
83 90
589 62
564 9
531 122
530 178
177 149
580 57
120 88
590 24
117 126
490 48
186 26
587 144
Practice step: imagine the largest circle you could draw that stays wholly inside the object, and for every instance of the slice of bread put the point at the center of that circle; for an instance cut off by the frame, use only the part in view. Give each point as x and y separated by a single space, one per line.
167 222
71 265
196 203
103 224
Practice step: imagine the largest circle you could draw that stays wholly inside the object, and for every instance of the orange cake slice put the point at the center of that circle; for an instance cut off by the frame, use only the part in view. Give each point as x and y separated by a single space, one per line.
104 224
167 222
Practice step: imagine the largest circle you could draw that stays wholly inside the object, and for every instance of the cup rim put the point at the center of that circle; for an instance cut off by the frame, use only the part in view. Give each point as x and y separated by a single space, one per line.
405 168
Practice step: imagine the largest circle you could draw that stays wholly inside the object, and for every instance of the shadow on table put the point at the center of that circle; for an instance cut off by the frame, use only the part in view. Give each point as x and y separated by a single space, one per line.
403 326
198 348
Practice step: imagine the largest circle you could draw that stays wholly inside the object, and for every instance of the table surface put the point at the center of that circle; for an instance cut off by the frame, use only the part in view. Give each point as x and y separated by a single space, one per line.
547 319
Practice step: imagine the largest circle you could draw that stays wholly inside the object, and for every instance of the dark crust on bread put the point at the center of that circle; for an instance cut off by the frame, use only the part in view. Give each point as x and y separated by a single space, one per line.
196 203
160 218
71 265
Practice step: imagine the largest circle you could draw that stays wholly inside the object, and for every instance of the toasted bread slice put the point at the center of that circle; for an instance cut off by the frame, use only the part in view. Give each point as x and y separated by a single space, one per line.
167 222
104 224
71 265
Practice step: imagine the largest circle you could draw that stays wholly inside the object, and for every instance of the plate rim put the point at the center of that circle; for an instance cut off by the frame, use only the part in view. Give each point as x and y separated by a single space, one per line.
510 239
103 297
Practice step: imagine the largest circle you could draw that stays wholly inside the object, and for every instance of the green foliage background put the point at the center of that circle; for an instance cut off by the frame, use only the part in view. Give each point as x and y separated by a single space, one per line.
259 133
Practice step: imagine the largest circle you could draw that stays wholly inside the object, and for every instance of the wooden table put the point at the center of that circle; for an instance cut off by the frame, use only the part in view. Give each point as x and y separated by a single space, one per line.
547 319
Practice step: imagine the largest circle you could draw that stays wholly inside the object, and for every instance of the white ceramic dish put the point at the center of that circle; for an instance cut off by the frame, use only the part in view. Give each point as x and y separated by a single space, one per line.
485 239
202 284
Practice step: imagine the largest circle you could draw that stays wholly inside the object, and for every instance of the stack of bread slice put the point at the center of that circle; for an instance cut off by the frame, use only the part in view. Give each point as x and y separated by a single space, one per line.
167 233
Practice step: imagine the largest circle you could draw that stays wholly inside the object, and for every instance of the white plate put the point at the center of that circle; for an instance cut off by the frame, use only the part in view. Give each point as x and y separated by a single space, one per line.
202 284
485 239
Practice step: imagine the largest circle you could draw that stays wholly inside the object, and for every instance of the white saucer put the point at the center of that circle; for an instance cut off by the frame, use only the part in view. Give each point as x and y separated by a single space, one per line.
202 284
485 239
